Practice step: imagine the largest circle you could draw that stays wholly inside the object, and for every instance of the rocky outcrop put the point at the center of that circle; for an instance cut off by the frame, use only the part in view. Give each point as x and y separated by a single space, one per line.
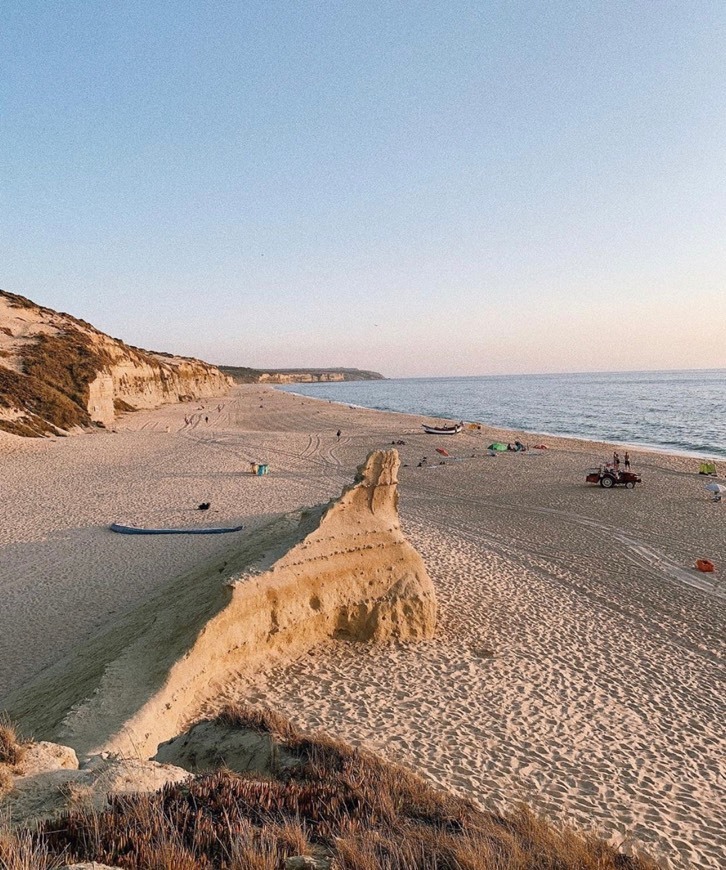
57 372
50 781
211 744
44 757
344 570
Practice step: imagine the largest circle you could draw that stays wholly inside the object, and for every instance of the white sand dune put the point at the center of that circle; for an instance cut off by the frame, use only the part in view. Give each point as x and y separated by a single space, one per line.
579 660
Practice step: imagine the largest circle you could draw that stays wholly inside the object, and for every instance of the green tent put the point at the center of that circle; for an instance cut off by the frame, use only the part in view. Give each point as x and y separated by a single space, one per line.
707 468
497 445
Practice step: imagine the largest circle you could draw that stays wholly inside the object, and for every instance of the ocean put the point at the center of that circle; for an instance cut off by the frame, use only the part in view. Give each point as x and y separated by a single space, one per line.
677 411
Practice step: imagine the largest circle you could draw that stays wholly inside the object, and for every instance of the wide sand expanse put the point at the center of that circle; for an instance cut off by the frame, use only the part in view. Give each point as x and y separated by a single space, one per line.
579 659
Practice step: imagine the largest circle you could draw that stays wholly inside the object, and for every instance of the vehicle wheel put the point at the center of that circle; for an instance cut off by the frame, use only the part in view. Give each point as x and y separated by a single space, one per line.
606 482
630 484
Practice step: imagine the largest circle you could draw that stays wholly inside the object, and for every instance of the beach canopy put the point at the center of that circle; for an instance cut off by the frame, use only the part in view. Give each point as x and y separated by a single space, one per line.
716 487
497 445
707 468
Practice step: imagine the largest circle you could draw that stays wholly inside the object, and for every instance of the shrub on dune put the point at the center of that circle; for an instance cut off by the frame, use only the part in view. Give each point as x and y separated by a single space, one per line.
337 803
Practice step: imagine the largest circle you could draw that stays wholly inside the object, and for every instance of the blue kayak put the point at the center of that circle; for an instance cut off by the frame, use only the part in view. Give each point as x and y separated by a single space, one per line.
135 530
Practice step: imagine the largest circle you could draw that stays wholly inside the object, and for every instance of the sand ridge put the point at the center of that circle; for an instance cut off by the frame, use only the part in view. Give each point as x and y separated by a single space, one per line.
342 570
577 665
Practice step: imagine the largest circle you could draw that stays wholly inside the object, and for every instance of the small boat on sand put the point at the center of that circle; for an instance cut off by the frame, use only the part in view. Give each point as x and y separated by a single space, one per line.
443 430
135 530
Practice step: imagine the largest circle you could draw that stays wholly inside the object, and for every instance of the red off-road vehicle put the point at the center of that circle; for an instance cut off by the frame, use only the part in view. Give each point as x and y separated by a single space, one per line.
608 476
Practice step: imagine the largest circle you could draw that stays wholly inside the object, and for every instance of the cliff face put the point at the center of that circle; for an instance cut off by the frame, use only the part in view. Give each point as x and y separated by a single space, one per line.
297 376
300 378
57 372
343 570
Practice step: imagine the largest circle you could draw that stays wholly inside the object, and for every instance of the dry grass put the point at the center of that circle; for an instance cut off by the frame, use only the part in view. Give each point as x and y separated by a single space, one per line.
54 387
343 803
67 363
12 748
17 301
20 850
46 409
258 719
6 780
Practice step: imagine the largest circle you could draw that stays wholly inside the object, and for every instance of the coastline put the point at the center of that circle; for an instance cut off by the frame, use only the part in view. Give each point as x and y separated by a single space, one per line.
530 433
469 398
570 650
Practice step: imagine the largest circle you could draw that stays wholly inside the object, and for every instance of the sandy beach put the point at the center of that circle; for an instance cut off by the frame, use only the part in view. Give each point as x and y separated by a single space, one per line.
579 659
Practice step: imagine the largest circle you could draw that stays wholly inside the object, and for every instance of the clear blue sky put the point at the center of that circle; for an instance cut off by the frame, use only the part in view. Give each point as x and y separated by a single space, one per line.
420 188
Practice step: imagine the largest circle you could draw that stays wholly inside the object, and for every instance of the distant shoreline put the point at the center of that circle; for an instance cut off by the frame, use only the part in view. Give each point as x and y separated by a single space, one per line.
512 432
245 375
683 414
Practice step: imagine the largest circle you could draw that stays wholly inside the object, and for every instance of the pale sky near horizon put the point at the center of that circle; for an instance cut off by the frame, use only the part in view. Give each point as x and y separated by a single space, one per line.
419 188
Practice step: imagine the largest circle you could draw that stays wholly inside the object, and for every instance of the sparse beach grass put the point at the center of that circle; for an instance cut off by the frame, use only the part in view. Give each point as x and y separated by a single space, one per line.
346 807
12 748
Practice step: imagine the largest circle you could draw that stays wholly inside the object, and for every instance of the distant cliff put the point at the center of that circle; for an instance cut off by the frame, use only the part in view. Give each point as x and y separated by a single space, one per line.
57 372
243 375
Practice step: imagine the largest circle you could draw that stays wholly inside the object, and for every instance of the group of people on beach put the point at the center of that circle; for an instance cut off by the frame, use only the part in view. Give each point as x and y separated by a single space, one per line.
616 461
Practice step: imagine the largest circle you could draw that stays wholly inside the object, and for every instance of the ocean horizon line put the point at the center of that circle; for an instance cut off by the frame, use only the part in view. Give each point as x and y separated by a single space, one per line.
551 374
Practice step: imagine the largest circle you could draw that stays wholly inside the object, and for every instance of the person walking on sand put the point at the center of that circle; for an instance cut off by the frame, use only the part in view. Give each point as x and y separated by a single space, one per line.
627 461
337 434
616 460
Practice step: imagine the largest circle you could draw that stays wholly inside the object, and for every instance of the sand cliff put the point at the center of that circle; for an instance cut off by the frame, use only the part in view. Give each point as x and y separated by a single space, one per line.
344 570
57 372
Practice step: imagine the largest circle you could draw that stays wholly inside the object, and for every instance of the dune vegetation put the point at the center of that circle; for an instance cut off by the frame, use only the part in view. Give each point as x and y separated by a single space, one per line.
54 360
342 807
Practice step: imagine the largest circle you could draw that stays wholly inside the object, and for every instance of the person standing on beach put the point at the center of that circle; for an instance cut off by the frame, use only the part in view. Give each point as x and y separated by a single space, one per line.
616 460
337 434
627 460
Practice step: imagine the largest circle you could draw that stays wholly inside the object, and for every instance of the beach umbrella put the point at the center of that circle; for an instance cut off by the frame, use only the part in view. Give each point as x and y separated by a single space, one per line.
715 487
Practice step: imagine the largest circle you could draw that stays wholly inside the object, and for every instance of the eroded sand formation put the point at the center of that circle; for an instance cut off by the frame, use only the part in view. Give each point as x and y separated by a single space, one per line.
57 372
343 570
